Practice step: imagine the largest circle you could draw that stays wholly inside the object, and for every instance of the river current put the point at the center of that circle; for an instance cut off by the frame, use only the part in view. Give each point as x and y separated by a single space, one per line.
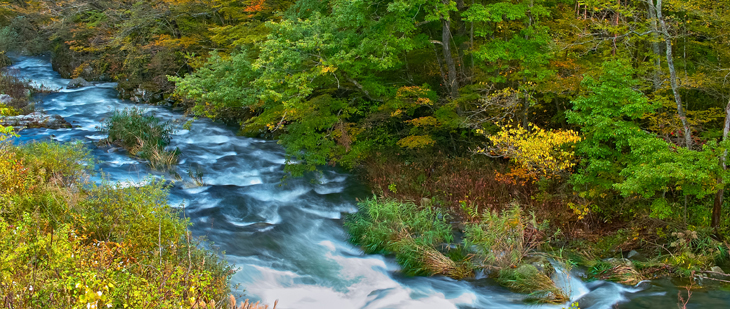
285 238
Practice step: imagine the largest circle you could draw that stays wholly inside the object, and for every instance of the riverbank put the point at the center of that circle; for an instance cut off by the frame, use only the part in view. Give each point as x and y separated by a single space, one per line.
70 243
470 195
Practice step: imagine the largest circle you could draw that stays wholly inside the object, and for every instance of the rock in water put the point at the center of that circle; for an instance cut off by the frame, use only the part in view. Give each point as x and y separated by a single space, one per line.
5 99
35 120
77 83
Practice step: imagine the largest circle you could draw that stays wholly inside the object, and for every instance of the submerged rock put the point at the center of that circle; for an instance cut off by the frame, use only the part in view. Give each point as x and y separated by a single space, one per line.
78 83
35 120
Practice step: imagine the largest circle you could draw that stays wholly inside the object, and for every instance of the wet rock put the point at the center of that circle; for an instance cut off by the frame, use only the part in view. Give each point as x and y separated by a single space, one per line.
5 99
542 263
717 269
636 256
35 120
78 83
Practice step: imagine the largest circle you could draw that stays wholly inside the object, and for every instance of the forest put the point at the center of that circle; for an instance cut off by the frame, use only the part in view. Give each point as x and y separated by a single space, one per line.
590 127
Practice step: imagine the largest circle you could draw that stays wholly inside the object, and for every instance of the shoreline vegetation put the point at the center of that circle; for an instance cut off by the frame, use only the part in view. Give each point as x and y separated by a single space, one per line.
67 242
594 132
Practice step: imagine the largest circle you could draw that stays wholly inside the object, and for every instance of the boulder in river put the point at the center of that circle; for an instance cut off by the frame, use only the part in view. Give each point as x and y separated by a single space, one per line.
5 99
35 120
78 83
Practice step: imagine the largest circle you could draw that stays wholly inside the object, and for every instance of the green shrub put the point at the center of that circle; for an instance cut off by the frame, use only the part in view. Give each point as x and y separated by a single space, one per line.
142 135
69 244
413 234
68 162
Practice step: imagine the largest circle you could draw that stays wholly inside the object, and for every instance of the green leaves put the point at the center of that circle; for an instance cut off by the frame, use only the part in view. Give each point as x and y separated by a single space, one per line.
606 116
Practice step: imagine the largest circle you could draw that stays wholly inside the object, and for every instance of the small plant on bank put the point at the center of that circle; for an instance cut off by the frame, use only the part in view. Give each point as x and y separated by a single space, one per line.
142 135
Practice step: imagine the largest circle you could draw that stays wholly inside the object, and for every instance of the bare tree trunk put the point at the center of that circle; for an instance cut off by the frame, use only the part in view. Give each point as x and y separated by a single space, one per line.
453 84
656 48
526 111
673 76
717 207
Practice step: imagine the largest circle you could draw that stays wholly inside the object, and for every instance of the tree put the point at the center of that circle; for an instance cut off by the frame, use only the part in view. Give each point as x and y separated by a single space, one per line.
607 115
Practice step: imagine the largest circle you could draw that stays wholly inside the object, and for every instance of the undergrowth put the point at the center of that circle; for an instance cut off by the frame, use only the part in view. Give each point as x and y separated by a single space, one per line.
65 243
423 243
142 135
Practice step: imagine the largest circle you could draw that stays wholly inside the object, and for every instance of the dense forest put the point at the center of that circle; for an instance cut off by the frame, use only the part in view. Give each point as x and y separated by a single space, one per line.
595 125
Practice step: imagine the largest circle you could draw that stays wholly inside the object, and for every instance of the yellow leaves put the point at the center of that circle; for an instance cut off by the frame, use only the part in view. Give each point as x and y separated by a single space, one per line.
581 210
424 121
416 141
328 69
537 152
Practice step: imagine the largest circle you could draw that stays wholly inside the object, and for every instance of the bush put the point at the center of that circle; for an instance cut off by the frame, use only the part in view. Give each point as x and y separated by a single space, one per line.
142 135
68 244
401 228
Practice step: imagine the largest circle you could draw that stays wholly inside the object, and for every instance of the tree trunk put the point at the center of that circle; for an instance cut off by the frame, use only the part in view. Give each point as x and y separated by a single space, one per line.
673 76
453 84
656 48
717 207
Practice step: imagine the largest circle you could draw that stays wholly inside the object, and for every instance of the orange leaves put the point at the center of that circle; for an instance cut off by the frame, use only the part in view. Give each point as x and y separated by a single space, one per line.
255 6
414 95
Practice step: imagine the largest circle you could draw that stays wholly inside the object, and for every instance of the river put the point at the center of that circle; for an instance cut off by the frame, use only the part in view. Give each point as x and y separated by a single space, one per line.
286 239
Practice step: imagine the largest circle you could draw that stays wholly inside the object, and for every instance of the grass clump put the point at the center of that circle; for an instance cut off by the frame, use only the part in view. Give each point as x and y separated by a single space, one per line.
413 234
501 242
528 279
142 135
65 243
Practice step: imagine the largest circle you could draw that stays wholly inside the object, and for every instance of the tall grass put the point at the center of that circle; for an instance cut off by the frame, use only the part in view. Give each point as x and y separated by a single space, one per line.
413 234
502 240
142 135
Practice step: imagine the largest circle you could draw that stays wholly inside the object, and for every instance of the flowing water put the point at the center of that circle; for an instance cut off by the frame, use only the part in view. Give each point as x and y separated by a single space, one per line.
287 240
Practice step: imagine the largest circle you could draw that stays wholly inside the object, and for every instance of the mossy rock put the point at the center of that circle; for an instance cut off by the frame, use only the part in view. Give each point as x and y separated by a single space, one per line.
528 279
